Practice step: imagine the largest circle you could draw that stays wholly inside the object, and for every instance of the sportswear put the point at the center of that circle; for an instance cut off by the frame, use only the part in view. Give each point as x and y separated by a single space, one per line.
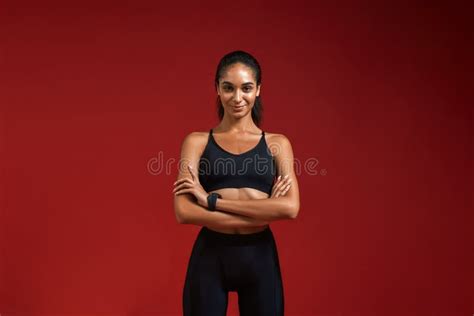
244 263
255 168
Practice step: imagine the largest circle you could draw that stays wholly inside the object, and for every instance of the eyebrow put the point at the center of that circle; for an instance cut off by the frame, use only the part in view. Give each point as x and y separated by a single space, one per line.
244 84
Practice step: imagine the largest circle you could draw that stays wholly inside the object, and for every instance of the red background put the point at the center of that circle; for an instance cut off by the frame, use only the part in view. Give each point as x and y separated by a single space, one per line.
377 93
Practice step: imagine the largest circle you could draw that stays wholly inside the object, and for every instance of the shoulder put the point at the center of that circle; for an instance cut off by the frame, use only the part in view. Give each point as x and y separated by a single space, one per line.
278 143
195 142
196 137
192 147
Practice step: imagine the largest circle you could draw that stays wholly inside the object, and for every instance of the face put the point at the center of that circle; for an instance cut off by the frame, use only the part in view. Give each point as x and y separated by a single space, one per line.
238 90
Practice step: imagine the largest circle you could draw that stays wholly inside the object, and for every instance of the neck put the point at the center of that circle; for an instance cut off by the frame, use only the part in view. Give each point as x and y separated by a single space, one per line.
240 125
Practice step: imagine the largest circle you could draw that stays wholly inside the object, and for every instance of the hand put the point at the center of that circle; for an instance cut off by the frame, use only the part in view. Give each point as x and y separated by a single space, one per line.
281 186
187 185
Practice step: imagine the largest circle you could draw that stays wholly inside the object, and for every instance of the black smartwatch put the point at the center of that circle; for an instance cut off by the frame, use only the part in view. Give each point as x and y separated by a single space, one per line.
211 201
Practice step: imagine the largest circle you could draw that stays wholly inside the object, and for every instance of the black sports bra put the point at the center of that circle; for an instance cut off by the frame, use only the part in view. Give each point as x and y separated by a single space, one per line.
254 168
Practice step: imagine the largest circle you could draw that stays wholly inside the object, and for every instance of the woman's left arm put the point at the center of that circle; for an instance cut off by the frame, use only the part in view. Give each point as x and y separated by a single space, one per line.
271 209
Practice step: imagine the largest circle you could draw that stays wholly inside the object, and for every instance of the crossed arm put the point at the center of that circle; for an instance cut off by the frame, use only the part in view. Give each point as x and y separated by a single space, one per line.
238 213
192 213
270 209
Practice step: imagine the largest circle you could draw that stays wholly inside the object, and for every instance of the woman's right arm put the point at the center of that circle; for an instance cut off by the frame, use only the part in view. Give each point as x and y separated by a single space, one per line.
186 209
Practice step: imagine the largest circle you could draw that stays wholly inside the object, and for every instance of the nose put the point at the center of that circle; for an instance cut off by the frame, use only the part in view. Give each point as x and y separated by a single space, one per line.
237 96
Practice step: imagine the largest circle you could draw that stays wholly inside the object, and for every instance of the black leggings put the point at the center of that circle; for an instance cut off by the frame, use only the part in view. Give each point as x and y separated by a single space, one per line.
245 263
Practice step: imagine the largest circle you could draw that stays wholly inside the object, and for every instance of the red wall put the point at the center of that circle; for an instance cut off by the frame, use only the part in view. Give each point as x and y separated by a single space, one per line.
94 93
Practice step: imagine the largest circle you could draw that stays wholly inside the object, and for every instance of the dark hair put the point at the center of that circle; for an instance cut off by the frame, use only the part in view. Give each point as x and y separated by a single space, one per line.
248 60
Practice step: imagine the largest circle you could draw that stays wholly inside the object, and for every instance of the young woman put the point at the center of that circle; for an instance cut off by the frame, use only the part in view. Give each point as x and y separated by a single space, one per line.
233 181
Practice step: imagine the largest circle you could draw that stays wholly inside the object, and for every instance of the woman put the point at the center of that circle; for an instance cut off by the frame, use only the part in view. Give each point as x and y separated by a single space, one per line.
227 185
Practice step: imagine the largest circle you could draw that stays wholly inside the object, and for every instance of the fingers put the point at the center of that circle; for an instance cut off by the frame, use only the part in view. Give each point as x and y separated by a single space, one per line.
279 182
286 188
276 185
281 187
191 171
283 182
184 191
182 185
182 180
283 190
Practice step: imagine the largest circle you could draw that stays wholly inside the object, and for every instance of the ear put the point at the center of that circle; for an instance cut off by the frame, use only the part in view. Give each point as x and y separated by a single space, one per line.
258 89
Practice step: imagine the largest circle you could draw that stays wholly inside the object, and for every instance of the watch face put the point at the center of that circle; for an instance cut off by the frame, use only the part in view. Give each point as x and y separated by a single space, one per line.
211 201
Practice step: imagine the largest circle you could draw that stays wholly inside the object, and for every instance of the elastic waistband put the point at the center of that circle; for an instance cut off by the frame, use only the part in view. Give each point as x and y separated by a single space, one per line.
236 239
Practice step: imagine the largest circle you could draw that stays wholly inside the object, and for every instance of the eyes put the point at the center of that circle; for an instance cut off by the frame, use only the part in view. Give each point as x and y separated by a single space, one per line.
246 89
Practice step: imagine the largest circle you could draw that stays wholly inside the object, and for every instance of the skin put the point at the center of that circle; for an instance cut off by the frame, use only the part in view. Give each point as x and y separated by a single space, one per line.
241 210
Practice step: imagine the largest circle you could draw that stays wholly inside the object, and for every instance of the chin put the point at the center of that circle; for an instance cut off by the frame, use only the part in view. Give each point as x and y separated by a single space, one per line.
238 114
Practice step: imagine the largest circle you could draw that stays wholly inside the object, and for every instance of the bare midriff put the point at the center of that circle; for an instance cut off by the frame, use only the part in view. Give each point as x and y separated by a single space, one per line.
240 194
